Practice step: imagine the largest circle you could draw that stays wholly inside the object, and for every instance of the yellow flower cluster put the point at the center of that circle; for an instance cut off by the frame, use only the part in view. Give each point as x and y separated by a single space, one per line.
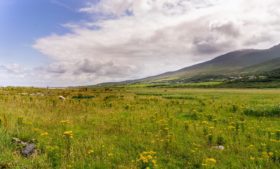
147 159
64 122
209 162
267 155
44 134
68 134
204 122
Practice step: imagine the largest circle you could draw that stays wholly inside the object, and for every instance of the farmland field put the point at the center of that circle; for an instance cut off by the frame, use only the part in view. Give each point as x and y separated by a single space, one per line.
130 128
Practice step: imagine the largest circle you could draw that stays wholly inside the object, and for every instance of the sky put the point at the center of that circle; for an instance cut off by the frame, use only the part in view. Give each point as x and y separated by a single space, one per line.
83 42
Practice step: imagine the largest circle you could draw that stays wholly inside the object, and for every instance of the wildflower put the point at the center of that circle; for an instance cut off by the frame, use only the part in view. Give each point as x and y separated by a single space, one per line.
250 146
147 159
68 134
90 151
204 122
275 141
265 155
210 162
231 127
64 122
44 134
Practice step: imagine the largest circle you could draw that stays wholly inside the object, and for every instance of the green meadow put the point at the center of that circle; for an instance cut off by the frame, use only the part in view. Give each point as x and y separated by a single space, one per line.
140 128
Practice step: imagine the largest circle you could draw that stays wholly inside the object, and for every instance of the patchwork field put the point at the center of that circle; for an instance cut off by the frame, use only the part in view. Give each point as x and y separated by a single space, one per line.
130 128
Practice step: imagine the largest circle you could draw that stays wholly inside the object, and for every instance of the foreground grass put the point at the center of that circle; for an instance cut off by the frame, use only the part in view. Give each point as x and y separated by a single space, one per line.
141 127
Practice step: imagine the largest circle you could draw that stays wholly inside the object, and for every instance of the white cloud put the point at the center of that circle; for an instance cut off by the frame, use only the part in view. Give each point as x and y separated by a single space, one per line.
133 39
14 68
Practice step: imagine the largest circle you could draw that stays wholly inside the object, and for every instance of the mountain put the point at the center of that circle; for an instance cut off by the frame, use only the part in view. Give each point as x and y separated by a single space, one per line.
242 62
237 66
263 67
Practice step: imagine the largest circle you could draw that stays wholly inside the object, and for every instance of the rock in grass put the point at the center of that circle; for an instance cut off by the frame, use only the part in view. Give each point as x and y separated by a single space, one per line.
61 97
219 147
28 150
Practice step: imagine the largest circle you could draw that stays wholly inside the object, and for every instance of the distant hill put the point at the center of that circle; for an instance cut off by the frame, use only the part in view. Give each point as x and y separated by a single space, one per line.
263 67
231 66
233 63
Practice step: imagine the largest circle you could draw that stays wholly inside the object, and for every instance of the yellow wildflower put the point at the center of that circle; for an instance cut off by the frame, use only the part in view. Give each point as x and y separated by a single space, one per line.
44 134
68 134
270 154
90 151
204 122
210 161
251 146
147 159
265 155
65 122
275 141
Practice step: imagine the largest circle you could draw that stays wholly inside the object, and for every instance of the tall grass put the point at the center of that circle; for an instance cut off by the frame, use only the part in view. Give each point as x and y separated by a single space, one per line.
140 128
263 112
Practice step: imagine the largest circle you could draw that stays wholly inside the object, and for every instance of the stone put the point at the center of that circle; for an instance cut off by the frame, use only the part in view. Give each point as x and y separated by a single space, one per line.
220 147
28 150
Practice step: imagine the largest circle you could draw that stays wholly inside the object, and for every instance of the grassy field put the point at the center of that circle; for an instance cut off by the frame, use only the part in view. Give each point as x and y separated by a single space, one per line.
130 128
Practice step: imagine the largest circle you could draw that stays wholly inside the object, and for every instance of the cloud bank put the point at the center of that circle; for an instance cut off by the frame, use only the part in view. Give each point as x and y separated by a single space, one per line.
128 39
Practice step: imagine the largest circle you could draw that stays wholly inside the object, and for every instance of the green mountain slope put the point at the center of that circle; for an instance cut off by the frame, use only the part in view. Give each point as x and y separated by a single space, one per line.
249 66
267 66
233 63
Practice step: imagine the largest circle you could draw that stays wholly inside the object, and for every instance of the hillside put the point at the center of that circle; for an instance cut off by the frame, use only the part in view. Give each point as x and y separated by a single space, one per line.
246 65
267 66
233 63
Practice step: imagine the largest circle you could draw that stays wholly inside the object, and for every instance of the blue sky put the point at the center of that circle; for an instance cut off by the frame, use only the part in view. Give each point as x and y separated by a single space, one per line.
24 21
84 42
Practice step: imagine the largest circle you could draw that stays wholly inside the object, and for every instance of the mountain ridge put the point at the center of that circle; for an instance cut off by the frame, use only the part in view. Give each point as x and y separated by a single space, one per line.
234 63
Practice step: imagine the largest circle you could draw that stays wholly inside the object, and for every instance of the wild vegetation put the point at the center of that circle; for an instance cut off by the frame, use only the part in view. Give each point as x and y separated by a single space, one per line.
139 127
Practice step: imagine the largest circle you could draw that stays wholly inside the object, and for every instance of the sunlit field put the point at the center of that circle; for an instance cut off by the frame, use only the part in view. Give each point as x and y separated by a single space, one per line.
140 128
